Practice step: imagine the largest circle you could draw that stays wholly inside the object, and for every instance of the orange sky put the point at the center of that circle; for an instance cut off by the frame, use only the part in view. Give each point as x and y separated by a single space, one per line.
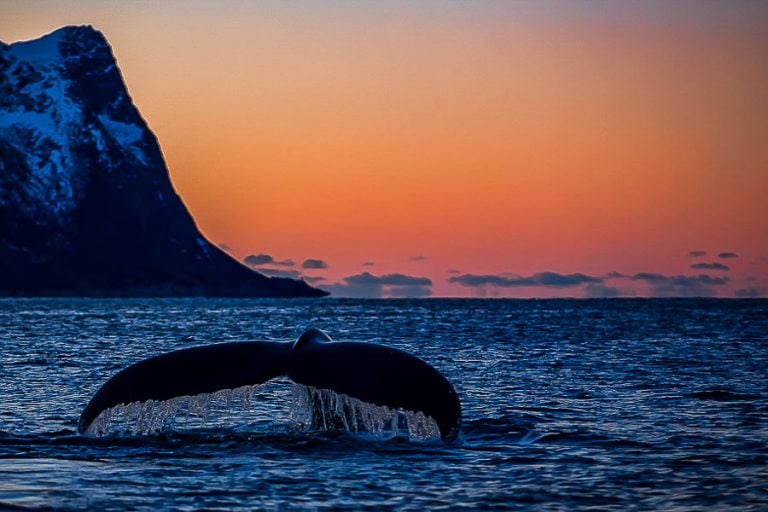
490 138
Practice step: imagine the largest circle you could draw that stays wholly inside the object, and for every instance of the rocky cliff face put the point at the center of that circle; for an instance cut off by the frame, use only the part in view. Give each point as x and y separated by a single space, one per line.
86 203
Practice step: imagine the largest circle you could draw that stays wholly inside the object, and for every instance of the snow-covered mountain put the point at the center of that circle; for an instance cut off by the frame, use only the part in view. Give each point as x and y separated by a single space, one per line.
86 203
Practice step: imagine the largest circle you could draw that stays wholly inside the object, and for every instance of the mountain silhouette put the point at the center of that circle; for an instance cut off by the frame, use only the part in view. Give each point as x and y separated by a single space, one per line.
86 203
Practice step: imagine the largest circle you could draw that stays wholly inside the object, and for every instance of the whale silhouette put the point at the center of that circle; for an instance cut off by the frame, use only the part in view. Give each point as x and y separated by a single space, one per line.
375 374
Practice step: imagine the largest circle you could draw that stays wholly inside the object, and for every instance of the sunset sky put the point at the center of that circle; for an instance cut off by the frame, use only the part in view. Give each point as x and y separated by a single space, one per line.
500 149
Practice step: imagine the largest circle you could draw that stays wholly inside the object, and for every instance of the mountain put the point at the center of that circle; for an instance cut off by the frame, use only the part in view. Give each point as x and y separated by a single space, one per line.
86 203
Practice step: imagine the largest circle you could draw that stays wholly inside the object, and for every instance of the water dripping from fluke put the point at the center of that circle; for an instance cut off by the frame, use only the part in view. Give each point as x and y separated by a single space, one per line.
323 409
176 414
308 410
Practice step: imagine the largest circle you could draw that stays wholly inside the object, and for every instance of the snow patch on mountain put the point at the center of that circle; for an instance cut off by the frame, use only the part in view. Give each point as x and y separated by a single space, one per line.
39 123
44 48
125 134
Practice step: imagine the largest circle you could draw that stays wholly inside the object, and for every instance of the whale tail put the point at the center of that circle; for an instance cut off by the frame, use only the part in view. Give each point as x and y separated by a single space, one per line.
371 373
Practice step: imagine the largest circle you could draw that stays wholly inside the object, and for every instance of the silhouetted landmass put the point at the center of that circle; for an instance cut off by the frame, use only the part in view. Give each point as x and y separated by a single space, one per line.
86 203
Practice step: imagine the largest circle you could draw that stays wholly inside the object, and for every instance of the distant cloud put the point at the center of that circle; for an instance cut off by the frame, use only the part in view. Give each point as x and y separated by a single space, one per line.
546 279
710 266
313 263
417 258
367 285
313 279
256 260
453 271
680 285
661 285
224 247
601 291
748 293
680 280
727 255
411 292
368 264
697 254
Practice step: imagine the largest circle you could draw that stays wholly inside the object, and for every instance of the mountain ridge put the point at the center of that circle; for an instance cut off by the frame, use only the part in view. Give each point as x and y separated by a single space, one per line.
87 206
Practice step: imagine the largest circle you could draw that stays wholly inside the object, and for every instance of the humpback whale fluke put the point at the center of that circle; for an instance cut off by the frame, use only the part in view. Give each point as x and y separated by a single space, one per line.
376 374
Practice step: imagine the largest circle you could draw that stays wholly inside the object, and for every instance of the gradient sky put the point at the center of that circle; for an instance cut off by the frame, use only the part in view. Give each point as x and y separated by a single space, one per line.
480 145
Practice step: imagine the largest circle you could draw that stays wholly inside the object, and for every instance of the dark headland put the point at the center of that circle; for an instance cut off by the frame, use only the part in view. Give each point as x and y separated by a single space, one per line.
86 204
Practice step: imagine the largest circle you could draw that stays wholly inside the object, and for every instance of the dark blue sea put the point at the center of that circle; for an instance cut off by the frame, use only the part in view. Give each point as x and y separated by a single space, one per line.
567 405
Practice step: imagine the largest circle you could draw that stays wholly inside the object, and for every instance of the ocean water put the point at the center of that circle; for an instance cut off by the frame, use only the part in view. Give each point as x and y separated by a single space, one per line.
567 405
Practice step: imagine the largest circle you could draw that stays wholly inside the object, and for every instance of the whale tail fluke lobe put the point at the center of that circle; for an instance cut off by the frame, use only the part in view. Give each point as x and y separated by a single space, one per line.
371 373
379 375
189 372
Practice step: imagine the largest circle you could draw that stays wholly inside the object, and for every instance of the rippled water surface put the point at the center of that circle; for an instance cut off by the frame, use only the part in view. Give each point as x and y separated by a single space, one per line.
604 405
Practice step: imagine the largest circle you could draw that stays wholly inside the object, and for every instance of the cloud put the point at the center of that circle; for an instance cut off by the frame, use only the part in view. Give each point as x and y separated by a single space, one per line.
368 264
661 285
727 255
313 263
413 292
680 285
697 254
601 291
313 279
392 279
224 247
710 266
546 279
256 260
417 258
367 285
453 271
748 293
701 279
